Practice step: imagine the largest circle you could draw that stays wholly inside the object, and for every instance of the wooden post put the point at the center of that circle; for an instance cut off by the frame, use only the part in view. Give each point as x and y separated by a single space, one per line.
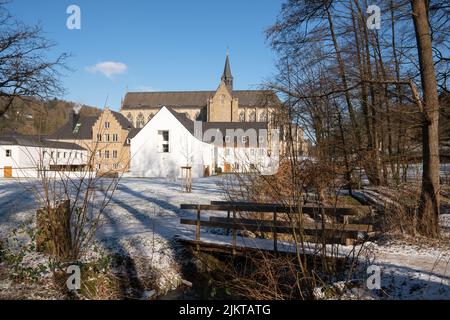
275 235
234 232
197 229
228 217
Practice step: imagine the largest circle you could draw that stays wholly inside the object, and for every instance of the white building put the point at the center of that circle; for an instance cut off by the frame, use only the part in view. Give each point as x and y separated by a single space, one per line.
167 143
31 157
170 141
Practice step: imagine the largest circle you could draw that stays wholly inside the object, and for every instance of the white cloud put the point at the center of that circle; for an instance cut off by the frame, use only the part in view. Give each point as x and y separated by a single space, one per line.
108 68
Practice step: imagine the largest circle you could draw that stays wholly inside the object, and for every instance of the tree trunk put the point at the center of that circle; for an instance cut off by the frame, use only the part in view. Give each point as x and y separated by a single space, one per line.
428 215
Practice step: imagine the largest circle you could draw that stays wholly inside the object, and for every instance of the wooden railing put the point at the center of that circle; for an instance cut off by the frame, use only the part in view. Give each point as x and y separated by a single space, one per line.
341 232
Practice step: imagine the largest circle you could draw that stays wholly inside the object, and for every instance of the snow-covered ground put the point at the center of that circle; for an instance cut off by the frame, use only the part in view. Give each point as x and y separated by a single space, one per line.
143 219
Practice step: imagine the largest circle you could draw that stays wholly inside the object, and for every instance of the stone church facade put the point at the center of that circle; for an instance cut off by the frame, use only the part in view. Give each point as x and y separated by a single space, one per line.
222 105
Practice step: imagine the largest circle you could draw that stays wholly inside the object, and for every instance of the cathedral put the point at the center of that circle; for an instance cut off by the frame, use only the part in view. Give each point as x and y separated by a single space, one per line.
222 105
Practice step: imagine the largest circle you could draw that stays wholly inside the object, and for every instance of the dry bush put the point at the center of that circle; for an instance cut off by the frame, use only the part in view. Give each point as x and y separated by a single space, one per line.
400 214
269 275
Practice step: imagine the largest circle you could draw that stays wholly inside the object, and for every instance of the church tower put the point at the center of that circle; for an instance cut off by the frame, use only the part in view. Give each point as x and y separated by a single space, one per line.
223 107
227 78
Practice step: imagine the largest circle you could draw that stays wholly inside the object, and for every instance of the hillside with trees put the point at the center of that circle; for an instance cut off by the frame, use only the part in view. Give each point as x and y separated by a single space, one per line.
30 116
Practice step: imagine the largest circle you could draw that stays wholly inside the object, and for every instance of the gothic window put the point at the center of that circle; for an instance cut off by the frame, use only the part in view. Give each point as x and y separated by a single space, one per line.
252 116
263 117
140 121
130 117
242 116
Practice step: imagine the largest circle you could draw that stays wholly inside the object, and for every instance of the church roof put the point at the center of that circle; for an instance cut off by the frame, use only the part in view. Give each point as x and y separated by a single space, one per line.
174 99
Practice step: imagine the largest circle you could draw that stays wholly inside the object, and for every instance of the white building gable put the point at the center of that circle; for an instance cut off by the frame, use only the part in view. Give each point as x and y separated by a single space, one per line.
164 145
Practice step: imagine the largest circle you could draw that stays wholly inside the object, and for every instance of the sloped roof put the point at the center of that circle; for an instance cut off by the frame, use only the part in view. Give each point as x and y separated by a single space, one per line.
185 121
123 121
66 132
247 98
37 141
84 132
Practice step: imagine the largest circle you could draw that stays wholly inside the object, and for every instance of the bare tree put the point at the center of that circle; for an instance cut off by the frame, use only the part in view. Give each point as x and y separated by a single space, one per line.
25 68
369 114
429 200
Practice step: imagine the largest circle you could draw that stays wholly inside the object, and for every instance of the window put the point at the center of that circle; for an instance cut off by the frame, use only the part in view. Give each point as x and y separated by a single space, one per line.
244 139
163 138
98 166
77 128
107 154
52 154
227 139
99 137
114 154
115 166
128 140
236 166
242 116
263 117
227 151
252 116
150 116
99 154
59 154
140 121
115 137
106 137
76 155
65 155
130 118
106 125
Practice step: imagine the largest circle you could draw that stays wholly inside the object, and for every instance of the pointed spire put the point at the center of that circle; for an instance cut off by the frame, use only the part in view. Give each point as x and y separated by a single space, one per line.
227 78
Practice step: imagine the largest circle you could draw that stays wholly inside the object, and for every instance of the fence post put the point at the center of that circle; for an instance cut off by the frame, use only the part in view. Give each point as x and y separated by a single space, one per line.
234 232
275 234
197 229
228 217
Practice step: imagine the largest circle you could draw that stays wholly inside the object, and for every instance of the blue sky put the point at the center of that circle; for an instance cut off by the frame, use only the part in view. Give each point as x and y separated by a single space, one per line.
156 45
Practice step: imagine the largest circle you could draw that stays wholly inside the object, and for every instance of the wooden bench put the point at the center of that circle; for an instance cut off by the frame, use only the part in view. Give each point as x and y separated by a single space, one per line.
343 233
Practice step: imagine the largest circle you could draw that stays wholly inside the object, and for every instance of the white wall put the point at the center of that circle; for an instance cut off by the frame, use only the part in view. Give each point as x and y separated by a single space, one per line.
244 157
26 161
148 161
